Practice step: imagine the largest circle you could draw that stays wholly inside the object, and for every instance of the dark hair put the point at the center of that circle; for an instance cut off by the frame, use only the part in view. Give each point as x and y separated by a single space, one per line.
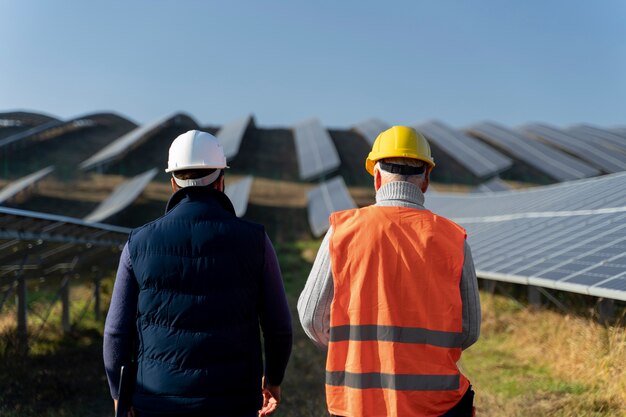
192 174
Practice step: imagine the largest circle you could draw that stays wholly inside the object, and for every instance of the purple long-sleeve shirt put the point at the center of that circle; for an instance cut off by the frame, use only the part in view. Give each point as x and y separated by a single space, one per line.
274 317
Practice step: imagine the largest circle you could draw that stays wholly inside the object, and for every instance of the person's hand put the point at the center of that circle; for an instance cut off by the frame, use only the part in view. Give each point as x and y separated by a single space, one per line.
271 398
129 413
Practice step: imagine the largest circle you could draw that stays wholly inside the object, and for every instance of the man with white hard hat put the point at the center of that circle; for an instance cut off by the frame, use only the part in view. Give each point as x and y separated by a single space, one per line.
191 289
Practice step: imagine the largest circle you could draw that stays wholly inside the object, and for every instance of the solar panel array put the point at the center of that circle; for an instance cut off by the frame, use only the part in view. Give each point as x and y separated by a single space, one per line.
370 129
239 192
315 149
569 236
597 156
122 196
328 197
478 158
540 156
21 184
231 135
125 143
35 245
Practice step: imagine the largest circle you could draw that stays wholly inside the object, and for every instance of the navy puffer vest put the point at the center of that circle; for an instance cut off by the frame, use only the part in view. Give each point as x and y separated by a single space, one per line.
199 269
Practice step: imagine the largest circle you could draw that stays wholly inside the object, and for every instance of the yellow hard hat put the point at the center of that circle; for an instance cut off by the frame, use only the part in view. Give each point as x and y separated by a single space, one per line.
399 142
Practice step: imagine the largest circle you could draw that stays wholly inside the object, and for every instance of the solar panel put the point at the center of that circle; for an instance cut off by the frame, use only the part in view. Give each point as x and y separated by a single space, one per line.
330 196
540 156
231 134
315 149
122 196
125 143
608 138
478 158
239 192
23 183
620 131
593 154
25 118
22 225
31 132
569 236
493 185
370 129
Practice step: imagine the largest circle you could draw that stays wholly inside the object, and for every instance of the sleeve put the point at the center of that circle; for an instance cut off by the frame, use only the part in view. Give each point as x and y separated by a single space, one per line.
471 301
316 297
275 318
119 328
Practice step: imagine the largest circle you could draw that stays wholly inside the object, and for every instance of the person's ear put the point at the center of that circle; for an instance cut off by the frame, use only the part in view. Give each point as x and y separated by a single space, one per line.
220 185
378 180
425 181
174 185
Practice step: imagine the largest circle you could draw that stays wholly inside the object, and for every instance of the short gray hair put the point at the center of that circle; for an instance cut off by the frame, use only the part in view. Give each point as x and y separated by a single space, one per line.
391 177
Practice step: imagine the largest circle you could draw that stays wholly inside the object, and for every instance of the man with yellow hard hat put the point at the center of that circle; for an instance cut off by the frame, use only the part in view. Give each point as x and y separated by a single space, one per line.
393 295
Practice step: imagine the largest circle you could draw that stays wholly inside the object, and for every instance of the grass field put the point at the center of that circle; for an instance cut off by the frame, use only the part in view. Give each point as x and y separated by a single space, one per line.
528 362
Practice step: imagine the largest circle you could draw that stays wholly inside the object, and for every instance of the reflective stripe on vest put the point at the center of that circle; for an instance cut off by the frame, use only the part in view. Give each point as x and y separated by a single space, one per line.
395 334
396 316
398 382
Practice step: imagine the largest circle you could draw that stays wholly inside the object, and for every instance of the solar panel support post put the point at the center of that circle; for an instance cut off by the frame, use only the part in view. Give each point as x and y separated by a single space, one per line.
606 310
65 302
96 295
534 296
490 286
552 299
22 293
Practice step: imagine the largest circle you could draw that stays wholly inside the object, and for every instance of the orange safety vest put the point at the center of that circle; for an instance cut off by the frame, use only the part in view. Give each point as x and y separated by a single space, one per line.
396 318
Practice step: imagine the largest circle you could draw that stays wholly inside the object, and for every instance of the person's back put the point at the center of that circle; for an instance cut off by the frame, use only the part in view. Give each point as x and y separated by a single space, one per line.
191 291
199 273
393 295
396 317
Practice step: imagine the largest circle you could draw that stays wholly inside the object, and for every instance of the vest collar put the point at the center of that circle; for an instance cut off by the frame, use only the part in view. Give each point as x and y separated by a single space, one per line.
202 193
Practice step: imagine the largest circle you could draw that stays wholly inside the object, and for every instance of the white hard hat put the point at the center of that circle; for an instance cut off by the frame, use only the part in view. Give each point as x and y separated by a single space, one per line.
196 150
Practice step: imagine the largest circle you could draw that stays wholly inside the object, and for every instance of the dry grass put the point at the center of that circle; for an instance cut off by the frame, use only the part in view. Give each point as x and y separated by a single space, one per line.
541 363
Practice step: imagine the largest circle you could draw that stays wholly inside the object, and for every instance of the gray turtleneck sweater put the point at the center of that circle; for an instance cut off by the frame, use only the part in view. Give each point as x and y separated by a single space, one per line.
315 299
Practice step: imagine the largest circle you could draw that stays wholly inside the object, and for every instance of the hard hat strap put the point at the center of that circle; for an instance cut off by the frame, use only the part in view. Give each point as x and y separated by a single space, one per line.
401 169
209 179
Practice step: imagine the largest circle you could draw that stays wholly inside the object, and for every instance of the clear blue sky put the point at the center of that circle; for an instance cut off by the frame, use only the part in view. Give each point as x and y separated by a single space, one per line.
556 61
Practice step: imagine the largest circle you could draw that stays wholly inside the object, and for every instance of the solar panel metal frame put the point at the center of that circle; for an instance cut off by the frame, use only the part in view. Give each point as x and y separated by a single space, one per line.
231 135
370 129
480 159
122 196
569 236
21 184
239 193
551 161
315 150
328 197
